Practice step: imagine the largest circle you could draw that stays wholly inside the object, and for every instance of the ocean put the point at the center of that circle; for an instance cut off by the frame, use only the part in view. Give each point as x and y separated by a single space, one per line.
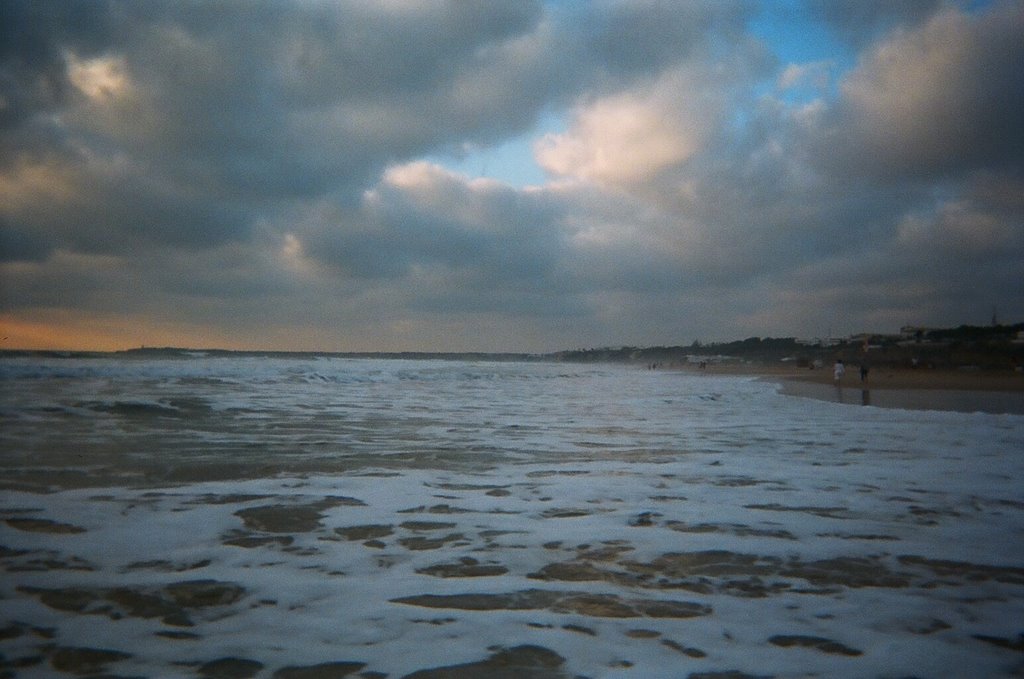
247 516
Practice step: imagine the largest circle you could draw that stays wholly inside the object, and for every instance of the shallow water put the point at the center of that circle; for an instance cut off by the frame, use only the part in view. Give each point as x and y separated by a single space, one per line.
327 517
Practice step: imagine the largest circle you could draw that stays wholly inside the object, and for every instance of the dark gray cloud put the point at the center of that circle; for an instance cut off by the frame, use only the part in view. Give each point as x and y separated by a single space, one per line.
865 21
646 36
941 100
488 235
21 244
33 40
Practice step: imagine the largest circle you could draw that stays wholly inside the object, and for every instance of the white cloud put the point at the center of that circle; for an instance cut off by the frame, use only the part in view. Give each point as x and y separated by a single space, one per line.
98 78
415 175
620 140
815 74
632 136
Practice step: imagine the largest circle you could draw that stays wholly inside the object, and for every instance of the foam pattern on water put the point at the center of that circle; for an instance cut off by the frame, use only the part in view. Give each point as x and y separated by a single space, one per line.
327 517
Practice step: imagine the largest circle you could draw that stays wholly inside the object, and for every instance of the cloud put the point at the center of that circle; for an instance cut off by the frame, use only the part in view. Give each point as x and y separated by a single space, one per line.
182 108
633 135
98 78
944 97
34 41
648 36
958 230
865 21
815 74
471 238
258 175
622 139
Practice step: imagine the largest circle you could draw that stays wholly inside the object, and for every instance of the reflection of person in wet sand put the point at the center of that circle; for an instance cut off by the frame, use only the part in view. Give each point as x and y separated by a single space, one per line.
865 393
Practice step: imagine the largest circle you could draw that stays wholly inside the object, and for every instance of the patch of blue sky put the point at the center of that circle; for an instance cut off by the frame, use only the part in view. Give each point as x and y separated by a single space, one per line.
511 161
799 39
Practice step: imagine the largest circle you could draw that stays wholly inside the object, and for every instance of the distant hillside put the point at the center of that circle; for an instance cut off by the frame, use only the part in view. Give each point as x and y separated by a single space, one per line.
766 349
994 347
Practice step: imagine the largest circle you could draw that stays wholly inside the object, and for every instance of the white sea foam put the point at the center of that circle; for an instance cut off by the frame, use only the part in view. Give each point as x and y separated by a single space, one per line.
898 535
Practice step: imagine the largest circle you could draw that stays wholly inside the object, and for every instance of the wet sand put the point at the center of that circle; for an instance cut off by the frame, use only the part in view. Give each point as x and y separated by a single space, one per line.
883 378
921 389
958 380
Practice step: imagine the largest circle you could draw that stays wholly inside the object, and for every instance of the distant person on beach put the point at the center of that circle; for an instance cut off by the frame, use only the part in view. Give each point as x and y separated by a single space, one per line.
838 370
863 372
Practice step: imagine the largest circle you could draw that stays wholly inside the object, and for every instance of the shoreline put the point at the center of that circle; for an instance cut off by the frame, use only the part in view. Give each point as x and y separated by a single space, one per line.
997 392
880 378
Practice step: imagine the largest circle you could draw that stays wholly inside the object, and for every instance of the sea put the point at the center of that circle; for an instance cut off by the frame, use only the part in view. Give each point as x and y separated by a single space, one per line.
312 516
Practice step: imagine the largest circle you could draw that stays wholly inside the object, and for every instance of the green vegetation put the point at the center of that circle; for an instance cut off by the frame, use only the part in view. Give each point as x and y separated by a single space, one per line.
982 347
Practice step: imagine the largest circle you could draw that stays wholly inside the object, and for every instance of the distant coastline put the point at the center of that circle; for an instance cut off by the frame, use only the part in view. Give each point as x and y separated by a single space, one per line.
964 357
190 353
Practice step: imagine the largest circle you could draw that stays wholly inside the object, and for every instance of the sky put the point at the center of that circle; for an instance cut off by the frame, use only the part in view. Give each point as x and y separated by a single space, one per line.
392 175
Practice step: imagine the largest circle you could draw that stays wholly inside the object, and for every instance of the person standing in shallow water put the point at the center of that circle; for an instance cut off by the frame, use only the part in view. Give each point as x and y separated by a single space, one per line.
838 370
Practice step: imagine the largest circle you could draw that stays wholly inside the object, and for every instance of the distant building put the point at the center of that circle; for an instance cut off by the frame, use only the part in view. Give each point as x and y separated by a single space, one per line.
819 342
914 332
